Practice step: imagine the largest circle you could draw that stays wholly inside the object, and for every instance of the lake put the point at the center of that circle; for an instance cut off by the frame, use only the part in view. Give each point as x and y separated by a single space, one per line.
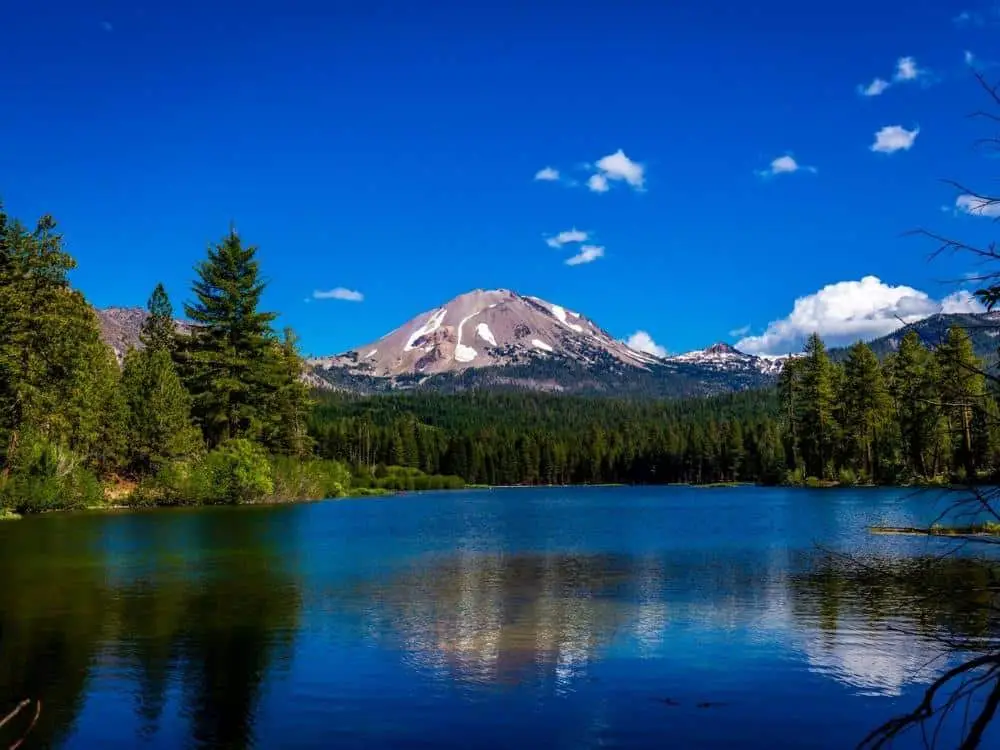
522 618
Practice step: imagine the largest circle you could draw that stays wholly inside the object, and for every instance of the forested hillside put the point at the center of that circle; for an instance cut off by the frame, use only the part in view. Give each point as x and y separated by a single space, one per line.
916 416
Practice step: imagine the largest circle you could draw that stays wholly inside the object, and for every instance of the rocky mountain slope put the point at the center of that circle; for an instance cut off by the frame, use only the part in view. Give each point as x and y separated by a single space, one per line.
121 328
501 339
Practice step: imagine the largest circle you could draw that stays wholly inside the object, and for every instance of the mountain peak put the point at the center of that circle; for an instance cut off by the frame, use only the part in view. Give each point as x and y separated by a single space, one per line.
722 347
487 328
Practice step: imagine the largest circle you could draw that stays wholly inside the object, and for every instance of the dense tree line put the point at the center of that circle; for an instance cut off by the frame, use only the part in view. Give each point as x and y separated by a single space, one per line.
531 438
916 416
188 413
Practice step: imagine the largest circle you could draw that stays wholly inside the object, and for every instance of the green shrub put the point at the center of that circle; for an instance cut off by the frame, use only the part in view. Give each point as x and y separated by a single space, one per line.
795 477
847 477
295 479
238 471
48 477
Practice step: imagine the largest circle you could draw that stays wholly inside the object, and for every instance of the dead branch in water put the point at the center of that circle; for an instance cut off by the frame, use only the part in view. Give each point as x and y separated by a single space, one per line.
17 710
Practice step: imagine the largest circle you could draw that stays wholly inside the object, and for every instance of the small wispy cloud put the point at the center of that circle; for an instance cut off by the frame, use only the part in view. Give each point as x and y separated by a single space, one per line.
741 331
970 59
587 254
566 237
907 70
547 174
968 18
641 341
784 165
347 295
598 183
977 206
876 88
893 138
106 25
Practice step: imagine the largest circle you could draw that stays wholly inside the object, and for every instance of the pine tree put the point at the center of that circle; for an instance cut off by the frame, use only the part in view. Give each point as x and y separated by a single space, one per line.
54 371
287 431
158 330
228 363
963 390
158 411
866 409
815 423
913 387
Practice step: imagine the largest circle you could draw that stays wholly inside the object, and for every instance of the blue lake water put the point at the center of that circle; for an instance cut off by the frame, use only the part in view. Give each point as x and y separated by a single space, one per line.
522 618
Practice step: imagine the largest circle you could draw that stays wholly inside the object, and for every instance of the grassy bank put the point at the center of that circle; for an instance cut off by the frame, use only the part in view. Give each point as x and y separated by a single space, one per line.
238 472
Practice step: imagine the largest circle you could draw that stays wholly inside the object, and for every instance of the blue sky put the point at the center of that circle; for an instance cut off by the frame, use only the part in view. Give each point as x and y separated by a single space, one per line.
390 149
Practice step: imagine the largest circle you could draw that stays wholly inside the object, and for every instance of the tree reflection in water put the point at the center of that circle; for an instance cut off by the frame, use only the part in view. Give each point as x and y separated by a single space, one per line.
944 606
216 633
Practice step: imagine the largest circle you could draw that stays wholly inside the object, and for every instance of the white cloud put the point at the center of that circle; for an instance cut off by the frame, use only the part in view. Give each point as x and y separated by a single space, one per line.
962 301
348 295
784 165
617 166
547 173
875 88
970 59
850 311
566 237
587 254
894 138
975 206
641 341
741 331
906 69
598 183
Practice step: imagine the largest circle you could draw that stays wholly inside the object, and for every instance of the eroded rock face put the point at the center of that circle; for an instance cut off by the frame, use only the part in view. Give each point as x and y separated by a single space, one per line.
486 328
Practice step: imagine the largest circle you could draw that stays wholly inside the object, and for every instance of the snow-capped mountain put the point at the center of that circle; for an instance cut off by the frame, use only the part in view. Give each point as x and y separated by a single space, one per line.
724 358
501 339
487 329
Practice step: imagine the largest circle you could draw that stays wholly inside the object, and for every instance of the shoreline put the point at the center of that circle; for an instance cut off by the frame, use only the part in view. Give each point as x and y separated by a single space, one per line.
116 506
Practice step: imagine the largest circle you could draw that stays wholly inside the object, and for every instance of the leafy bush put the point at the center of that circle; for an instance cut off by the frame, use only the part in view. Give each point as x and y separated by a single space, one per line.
236 472
295 479
48 477
847 476
796 477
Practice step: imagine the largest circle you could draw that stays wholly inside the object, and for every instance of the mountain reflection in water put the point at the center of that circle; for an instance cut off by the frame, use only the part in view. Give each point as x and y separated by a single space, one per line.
876 626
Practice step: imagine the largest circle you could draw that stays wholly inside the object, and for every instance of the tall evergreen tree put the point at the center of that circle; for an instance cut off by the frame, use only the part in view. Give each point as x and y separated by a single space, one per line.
287 421
54 376
963 391
866 410
228 363
815 424
158 412
158 330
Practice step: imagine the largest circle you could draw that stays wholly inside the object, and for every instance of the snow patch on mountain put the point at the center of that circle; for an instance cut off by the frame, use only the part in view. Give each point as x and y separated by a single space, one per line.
432 324
560 312
465 353
542 345
484 332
